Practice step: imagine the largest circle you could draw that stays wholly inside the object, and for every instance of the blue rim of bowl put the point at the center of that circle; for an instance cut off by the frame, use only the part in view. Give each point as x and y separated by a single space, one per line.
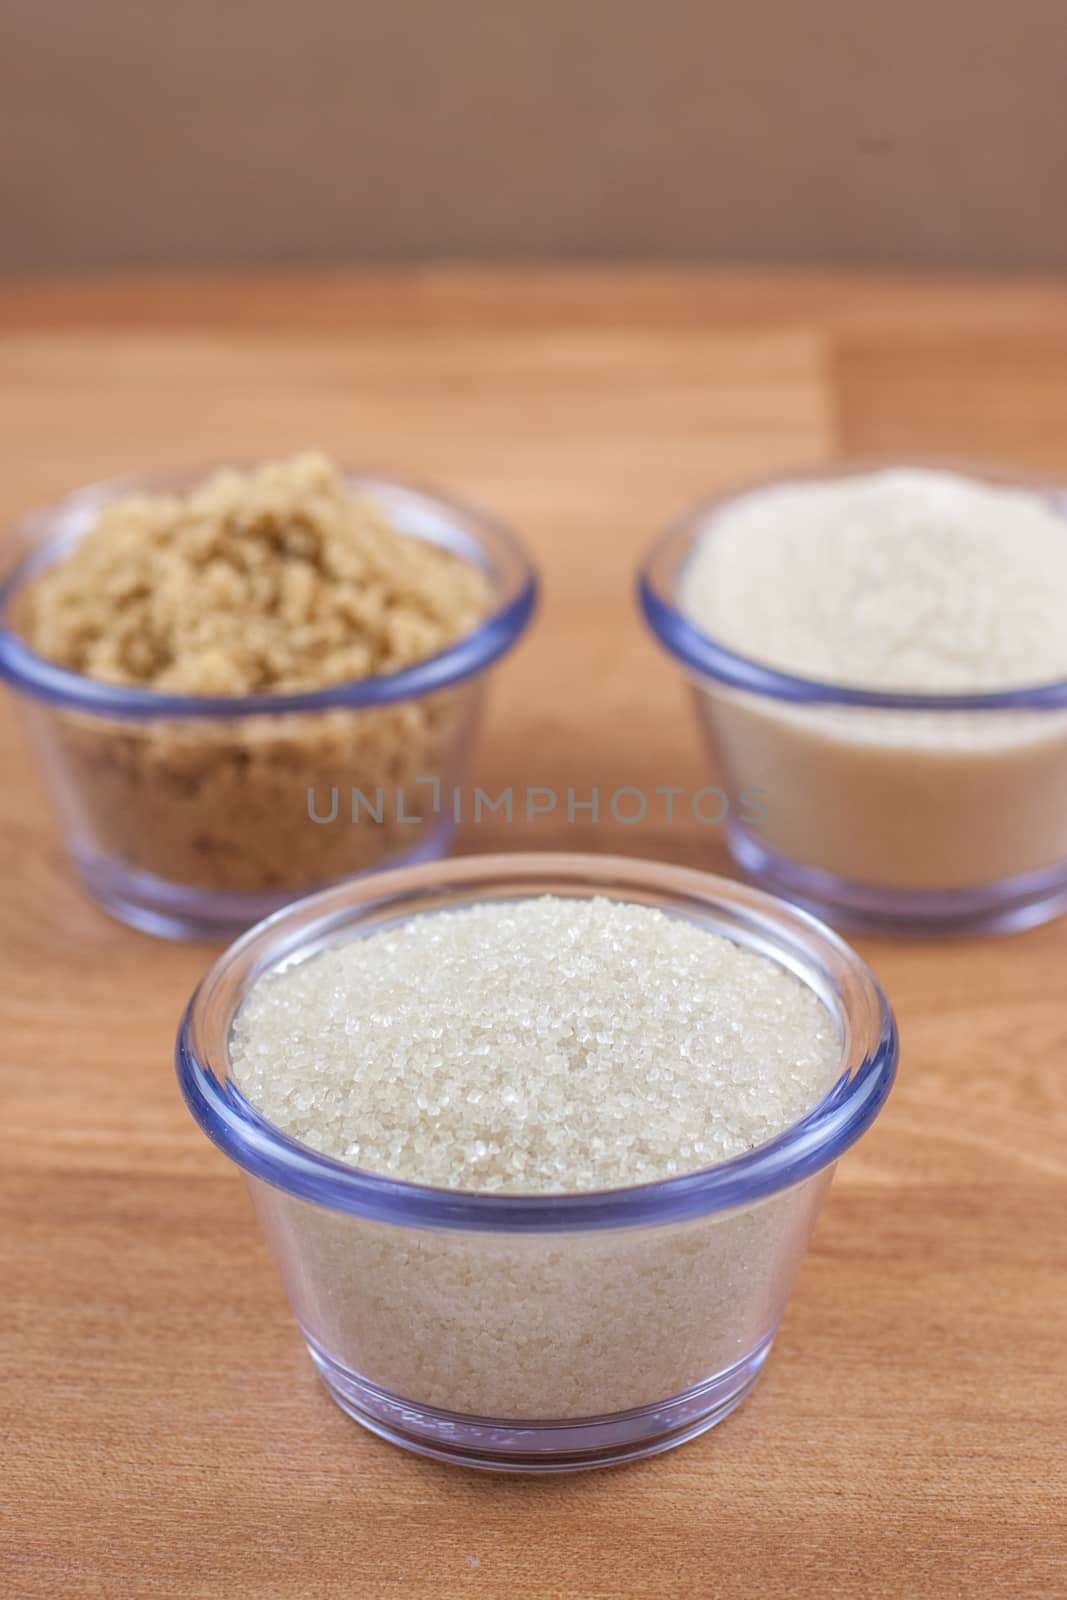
707 657
472 534
808 1147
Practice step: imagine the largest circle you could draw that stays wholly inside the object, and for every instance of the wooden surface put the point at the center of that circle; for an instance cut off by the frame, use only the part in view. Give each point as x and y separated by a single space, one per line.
162 1431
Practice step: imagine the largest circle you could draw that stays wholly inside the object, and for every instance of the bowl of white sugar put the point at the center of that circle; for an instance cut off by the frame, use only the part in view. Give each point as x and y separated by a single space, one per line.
538 1140
879 661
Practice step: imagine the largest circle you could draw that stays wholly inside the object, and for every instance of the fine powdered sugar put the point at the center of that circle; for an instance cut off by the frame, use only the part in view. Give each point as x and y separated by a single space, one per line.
909 581
906 580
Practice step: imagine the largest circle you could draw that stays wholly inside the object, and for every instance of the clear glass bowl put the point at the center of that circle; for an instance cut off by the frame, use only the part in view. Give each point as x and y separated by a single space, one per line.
194 816
540 1332
920 813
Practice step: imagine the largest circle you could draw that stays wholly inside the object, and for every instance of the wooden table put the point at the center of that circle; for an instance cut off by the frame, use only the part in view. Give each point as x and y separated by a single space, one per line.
162 1431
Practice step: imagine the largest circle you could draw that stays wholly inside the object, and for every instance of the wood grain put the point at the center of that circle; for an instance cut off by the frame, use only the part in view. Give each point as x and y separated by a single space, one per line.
163 1433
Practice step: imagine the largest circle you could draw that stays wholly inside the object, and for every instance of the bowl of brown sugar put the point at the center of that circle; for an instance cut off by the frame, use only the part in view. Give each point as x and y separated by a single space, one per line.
245 684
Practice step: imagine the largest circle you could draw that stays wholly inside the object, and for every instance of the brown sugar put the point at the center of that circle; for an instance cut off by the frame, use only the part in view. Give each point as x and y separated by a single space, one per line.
271 581
268 581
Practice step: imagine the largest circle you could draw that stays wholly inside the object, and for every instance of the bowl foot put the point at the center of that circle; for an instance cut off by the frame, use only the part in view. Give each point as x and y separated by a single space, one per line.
184 911
576 1445
1005 906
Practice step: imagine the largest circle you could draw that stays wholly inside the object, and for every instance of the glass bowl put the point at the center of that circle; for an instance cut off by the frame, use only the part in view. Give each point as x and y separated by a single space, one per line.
540 1332
194 816
912 813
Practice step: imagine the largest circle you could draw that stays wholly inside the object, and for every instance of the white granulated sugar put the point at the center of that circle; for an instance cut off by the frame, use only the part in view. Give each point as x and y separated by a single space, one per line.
907 580
541 1046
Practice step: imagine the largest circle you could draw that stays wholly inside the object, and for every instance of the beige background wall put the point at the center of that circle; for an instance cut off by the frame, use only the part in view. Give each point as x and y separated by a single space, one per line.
213 132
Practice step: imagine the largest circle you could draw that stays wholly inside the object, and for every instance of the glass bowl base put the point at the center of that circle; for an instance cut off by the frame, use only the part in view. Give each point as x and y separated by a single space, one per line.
576 1445
1004 906
184 911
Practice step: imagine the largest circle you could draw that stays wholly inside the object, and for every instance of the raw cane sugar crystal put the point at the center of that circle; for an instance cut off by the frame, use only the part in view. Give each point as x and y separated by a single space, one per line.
537 1046
544 1046
903 581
